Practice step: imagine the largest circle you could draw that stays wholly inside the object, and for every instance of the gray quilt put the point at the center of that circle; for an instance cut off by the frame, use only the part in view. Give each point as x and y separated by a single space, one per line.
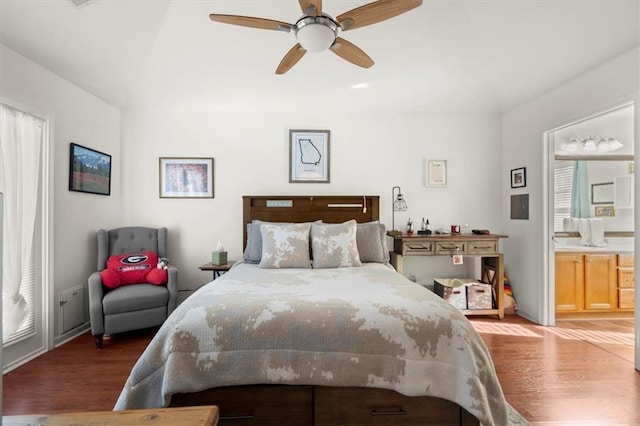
363 326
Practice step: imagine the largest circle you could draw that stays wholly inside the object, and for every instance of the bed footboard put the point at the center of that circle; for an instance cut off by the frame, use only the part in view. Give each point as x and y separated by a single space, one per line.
320 405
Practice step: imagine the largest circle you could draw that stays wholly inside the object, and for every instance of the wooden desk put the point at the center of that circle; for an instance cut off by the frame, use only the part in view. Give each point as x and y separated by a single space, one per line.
217 269
484 246
196 416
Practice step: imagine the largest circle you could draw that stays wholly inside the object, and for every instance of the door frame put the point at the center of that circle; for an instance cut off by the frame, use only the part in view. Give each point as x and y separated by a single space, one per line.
548 314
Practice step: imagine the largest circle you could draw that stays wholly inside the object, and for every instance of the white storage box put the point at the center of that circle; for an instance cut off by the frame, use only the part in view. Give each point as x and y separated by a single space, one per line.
453 290
479 296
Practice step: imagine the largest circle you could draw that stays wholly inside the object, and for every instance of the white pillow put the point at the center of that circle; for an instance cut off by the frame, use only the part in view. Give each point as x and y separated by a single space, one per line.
285 246
335 245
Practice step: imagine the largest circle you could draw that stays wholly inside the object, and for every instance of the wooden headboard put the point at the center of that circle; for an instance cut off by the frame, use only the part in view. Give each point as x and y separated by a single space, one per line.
307 208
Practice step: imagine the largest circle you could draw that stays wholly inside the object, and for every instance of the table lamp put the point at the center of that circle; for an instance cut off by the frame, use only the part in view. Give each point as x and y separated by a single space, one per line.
399 205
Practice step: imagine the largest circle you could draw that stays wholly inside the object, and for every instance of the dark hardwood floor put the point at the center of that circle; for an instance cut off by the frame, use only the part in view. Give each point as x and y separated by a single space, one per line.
578 373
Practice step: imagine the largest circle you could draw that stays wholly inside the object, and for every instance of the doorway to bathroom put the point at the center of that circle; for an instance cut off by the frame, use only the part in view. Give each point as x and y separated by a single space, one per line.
591 217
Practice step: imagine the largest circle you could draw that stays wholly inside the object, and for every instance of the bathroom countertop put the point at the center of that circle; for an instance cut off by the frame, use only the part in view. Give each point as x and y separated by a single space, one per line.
622 245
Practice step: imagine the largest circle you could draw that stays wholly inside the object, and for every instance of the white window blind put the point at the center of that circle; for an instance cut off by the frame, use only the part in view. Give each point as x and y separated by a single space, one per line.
563 183
21 140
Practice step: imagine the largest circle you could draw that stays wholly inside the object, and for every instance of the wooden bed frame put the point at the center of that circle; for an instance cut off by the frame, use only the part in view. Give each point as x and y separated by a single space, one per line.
262 404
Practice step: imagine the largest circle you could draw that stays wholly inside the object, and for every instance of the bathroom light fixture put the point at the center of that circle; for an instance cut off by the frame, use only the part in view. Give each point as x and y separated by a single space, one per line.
589 145
399 205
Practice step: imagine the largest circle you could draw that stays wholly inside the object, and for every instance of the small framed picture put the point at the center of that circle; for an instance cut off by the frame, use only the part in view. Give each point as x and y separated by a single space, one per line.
605 211
186 177
602 193
519 177
309 156
89 170
436 173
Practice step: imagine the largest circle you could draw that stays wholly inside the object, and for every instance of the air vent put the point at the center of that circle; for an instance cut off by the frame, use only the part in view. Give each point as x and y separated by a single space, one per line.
79 3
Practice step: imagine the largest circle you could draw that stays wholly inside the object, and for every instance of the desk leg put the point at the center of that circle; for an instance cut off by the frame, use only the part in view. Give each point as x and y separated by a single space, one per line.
493 272
397 262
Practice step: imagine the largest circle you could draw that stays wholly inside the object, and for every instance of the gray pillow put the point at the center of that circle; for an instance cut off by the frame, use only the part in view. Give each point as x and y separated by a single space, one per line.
334 245
253 250
285 246
372 242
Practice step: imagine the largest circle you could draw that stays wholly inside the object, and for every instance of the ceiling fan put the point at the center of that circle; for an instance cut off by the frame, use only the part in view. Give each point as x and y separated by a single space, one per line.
317 31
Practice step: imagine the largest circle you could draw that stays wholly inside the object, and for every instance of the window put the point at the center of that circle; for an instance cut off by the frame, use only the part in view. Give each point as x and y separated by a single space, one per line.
21 141
563 183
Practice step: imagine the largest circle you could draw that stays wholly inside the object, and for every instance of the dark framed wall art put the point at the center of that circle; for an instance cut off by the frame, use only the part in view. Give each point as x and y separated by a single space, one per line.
89 170
519 177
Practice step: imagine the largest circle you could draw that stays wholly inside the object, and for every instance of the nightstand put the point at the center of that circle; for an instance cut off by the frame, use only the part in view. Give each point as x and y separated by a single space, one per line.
217 269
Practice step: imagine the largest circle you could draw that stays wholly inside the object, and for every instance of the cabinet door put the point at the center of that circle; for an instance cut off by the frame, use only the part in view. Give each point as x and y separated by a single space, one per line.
569 282
600 285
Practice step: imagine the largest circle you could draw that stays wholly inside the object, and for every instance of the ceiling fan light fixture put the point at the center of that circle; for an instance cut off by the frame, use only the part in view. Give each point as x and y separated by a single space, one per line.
316 33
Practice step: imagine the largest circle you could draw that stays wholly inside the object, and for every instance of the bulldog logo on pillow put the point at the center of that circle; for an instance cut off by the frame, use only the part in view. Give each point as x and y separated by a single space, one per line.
134 259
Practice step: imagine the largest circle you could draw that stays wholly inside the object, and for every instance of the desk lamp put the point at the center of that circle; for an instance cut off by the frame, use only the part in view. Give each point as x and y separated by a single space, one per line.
399 205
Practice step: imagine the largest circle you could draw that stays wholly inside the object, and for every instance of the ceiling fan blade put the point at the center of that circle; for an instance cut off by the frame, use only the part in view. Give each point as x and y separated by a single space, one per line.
375 12
315 5
352 53
291 58
248 21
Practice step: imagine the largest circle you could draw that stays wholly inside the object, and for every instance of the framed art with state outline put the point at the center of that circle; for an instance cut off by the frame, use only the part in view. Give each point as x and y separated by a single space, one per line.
89 170
186 177
309 156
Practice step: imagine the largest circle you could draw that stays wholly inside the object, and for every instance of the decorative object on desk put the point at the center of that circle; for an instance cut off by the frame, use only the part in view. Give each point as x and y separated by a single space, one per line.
455 229
309 156
186 177
409 227
399 205
480 231
519 177
436 173
219 257
89 170
426 228
520 207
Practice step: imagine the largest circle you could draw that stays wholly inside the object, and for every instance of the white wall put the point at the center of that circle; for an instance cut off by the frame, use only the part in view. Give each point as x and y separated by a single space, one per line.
369 155
522 133
75 116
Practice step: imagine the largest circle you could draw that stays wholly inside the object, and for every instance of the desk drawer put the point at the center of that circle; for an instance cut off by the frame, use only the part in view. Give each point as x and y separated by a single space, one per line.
417 248
482 247
450 247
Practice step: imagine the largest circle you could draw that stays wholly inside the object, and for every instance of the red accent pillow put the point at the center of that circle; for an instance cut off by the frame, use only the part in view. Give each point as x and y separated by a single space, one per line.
157 276
132 269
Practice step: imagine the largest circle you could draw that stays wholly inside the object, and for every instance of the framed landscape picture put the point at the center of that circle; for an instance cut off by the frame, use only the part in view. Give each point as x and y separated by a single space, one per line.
186 177
89 170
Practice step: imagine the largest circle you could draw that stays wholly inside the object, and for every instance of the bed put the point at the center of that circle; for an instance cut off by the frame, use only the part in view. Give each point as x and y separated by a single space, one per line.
302 346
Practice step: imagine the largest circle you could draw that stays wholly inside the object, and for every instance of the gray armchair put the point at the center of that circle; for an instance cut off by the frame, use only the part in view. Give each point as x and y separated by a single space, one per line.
132 306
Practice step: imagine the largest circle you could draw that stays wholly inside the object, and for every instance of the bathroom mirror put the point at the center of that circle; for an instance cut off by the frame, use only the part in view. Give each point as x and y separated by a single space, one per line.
593 171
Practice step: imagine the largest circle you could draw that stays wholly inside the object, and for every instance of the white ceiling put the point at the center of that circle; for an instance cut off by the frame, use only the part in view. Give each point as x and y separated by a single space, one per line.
445 56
